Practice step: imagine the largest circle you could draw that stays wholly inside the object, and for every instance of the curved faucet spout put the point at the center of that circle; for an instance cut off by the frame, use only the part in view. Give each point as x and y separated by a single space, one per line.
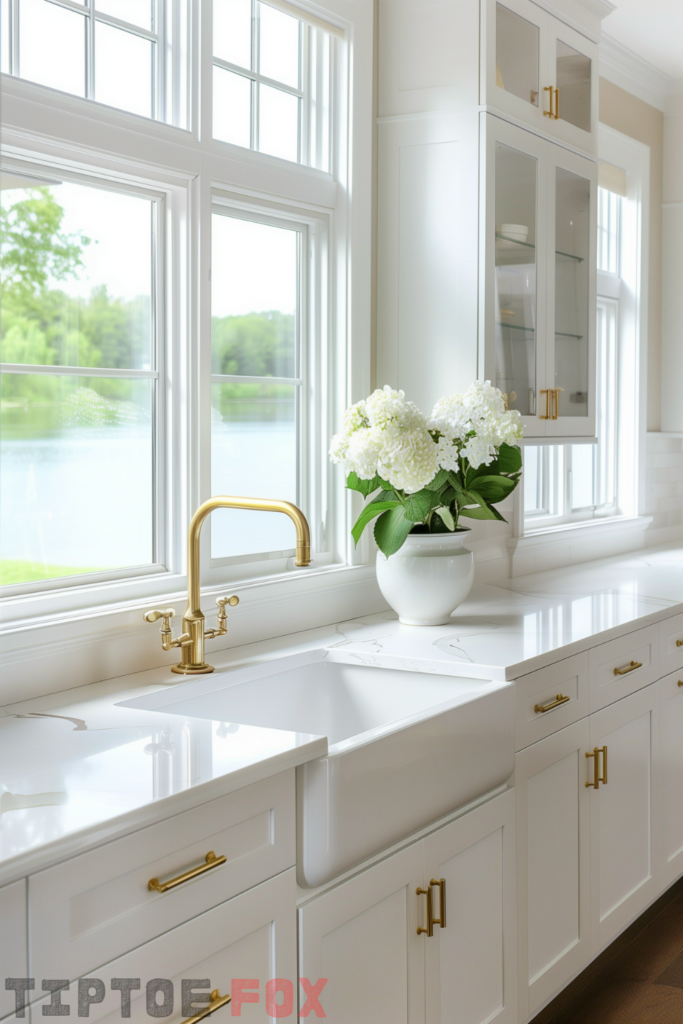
194 635
303 537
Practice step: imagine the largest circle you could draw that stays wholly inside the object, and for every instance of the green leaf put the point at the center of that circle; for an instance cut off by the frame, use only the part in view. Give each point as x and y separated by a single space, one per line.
495 488
417 506
446 517
375 508
483 512
391 529
439 480
509 461
365 487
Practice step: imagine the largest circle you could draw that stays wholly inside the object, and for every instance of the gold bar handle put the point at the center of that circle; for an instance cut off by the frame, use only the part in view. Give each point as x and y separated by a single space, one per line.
560 699
549 113
597 777
429 930
556 402
556 115
631 667
216 1001
546 392
441 884
212 861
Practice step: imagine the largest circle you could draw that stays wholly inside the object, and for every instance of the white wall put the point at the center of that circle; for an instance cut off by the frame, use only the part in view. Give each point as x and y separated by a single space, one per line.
672 267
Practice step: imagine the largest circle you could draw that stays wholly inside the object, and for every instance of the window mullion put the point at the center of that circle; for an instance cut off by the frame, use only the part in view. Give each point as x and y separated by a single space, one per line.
255 65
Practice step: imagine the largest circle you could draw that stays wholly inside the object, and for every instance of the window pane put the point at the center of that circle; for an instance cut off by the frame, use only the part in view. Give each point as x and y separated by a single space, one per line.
78 277
279 123
517 55
4 36
582 476
52 46
609 220
279 35
123 70
254 453
231 107
232 31
254 303
75 475
137 12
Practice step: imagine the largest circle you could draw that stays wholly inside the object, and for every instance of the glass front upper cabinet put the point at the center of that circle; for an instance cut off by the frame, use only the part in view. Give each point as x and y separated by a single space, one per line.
540 71
515 284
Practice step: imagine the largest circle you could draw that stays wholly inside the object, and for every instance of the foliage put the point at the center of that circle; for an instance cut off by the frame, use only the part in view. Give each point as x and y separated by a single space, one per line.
461 462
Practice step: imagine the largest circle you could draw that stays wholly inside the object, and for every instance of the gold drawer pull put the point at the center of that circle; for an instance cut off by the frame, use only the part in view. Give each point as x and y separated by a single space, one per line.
560 699
429 930
212 861
441 884
628 668
679 643
217 1000
597 778
680 682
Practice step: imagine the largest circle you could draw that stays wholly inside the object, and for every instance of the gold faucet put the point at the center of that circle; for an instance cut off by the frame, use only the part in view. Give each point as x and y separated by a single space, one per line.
191 640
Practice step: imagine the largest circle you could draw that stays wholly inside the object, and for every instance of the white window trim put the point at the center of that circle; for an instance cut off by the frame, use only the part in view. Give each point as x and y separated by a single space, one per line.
622 151
95 630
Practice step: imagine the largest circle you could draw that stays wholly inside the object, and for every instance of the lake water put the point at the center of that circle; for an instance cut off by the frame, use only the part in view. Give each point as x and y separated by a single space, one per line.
83 499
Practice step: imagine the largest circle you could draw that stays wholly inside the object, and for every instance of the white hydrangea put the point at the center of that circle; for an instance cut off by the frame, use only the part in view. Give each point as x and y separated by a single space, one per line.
385 434
481 413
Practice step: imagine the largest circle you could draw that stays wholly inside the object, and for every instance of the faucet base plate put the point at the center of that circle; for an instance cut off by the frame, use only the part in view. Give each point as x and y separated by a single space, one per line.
191 670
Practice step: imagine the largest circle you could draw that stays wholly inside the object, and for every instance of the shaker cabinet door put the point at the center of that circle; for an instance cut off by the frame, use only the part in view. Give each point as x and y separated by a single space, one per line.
671 746
553 856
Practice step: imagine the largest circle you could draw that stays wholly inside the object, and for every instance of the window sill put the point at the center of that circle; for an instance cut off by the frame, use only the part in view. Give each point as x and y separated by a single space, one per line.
553 547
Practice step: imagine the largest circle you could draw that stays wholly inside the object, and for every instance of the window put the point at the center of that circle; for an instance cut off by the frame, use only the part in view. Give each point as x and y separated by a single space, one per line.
81 48
79 381
271 81
568 483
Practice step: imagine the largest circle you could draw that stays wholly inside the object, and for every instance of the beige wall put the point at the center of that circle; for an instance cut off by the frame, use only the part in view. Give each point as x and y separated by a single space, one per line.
631 116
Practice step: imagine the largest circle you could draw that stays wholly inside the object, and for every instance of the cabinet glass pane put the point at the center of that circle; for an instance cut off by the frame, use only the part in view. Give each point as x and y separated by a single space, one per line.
572 220
573 76
515 281
517 55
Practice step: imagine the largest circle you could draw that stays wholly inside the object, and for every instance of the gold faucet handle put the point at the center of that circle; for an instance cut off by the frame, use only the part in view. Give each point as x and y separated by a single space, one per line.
160 613
222 615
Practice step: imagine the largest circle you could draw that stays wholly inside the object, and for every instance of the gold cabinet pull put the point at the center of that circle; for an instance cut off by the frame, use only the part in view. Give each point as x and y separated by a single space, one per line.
216 1001
556 402
680 682
441 885
541 708
556 115
549 113
631 667
212 861
679 643
546 392
597 777
429 930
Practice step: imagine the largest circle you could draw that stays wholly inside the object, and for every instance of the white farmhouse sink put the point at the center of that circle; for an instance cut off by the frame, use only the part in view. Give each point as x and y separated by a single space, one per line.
405 747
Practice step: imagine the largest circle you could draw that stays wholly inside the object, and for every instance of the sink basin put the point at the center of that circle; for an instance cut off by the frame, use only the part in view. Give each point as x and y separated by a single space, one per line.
405 747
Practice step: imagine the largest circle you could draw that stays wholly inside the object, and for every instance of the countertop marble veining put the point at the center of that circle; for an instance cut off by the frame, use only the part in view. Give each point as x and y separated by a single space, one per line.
77 769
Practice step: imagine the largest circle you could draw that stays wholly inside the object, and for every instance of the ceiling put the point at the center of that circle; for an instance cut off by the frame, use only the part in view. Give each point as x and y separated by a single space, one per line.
653 29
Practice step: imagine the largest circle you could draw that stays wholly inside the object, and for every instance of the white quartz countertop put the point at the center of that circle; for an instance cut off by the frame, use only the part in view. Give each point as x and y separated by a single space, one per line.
77 769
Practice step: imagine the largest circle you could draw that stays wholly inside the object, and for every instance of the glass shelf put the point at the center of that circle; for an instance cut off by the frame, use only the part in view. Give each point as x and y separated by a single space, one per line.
532 330
530 245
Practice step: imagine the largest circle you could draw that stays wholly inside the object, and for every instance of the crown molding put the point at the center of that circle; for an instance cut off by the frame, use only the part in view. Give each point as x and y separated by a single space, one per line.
601 8
626 69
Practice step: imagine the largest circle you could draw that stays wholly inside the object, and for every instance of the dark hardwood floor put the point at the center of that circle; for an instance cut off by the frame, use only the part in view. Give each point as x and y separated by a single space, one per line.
637 980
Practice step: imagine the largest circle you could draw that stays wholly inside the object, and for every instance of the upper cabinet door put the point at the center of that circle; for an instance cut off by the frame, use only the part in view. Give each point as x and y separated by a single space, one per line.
514 64
570 375
573 77
516 261
539 71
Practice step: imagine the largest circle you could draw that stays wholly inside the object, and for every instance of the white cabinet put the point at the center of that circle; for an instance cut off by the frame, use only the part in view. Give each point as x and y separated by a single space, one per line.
624 812
538 231
671 762
13 941
471 962
538 70
363 934
553 857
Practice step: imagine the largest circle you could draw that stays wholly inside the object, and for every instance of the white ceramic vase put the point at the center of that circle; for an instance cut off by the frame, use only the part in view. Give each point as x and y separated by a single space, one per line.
428 578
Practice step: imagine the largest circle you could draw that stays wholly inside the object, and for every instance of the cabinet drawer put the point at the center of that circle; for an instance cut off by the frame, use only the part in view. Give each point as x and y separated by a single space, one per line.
671 644
13 941
566 678
250 936
93 908
623 666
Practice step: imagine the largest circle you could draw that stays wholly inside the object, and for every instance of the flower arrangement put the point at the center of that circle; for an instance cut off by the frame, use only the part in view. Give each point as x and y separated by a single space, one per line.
461 461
